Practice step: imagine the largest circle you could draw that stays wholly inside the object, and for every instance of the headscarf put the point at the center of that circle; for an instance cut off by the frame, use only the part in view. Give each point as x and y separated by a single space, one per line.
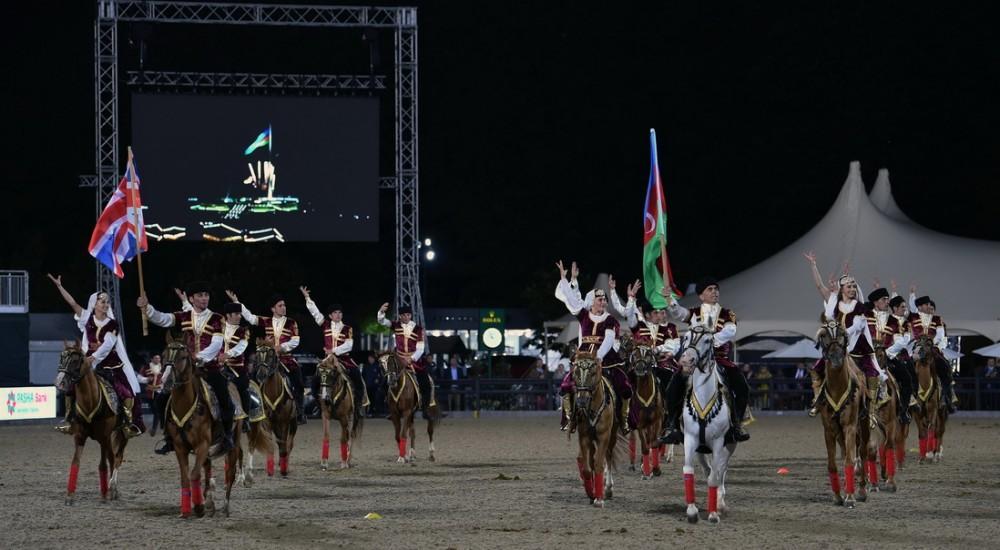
81 323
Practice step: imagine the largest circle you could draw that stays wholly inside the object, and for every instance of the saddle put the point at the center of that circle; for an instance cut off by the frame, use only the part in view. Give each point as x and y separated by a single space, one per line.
346 387
210 400
286 393
256 412
107 393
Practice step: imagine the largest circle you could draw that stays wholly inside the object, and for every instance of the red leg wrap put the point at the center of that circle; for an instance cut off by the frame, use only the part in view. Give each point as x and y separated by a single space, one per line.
579 467
599 486
74 472
196 497
901 453
185 502
656 458
647 467
872 472
588 483
326 449
849 479
923 447
932 443
270 465
689 488
402 447
104 482
283 461
835 482
890 463
343 451
713 499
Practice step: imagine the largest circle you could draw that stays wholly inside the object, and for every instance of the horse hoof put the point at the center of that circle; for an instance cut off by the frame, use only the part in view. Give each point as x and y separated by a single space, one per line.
344 465
184 515
199 511
644 477
713 517
69 501
890 487
863 497
598 503
431 458
849 503
693 518
323 466
401 460
838 500
248 482
631 467
657 472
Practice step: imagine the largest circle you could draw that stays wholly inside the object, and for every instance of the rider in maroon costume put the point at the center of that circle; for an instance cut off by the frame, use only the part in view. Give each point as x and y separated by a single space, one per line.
598 332
408 338
338 339
923 321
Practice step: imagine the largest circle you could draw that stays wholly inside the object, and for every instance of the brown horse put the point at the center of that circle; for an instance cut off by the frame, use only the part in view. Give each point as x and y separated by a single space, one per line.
191 425
929 415
279 405
336 399
95 419
594 411
404 402
649 402
259 439
888 434
841 401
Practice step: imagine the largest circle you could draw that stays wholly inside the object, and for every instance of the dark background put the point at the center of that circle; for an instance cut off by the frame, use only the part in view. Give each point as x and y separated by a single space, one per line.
324 149
534 121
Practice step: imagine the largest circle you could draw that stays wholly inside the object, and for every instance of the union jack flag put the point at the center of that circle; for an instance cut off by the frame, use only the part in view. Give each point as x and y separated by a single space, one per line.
116 237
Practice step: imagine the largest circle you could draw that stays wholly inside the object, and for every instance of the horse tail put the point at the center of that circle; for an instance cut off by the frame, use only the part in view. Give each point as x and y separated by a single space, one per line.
261 439
359 425
616 452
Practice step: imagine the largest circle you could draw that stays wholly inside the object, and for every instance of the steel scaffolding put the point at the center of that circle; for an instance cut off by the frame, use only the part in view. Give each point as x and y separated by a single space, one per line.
403 22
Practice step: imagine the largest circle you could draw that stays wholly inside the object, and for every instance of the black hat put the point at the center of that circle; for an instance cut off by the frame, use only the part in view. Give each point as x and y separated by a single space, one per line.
333 307
877 295
275 298
923 301
645 306
232 307
931 302
195 287
896 302
405 309
704 283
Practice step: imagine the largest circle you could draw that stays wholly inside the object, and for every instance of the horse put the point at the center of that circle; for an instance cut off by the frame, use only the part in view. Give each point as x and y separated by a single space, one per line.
841 401
930 414
258 439
279 405
191 425
649 402
594 412
336 399
404 401
96 418
706 419
886 438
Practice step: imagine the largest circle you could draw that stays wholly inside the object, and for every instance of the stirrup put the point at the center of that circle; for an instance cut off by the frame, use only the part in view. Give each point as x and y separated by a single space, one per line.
64 427
131 430
165 447
813 412
738 434
674 437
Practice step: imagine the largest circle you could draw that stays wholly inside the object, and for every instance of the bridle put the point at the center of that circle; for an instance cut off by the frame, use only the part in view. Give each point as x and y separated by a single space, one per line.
391 372
835 350
177 353
265 362
693 339
70 367
923 347
641 359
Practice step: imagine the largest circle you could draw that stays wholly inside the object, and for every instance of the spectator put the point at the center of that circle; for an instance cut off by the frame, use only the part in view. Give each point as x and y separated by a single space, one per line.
152 377
763 377
372 372
454 373
991 368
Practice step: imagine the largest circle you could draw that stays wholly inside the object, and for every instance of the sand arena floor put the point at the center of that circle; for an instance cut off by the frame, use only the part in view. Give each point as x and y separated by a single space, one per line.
459 502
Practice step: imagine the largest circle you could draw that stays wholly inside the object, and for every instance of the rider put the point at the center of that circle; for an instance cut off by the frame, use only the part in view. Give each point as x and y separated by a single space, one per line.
235 339
598 332
924 321
650 328
283 333
891 336
105 354
896 341
205 329
722 323
408 338
845 308
338 339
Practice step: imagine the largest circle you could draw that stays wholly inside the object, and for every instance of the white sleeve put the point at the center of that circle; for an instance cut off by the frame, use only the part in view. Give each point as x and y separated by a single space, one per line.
105 348
899 343
250 317
314 311
142 379
418 352
380 317
727 333
940 339
588 300
213 349
670 346
238 349
623 310
859 324
186 305
830 307
606 344
566 294
347 346
912 303
677 312
159 318
290 345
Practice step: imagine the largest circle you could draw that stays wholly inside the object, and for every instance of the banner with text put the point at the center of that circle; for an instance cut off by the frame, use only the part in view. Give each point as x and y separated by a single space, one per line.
29 402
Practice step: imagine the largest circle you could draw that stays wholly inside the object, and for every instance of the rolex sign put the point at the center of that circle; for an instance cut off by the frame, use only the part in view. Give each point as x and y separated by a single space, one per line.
491 329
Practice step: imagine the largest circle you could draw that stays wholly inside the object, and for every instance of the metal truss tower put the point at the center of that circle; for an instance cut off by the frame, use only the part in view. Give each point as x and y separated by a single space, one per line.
401 20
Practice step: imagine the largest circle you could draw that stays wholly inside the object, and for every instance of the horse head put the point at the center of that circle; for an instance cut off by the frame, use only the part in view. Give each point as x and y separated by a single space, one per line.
641 359
832 339
923 347
329 370
586 377
265 360
71 366
177 360
696 349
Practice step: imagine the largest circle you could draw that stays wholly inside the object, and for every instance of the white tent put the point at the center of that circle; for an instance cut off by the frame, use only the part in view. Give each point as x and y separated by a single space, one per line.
766 344
803 349
958 273
881 197
988 351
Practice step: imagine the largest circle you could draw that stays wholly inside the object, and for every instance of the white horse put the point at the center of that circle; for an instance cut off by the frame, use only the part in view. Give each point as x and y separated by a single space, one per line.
705 420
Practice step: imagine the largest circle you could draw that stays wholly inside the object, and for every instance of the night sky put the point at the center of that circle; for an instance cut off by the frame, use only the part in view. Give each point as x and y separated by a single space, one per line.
534 121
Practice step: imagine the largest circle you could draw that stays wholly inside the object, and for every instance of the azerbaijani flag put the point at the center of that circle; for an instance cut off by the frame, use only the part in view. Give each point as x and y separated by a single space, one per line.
263 139
654 236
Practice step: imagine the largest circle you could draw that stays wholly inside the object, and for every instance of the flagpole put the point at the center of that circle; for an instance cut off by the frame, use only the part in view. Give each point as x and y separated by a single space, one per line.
138 247
663 263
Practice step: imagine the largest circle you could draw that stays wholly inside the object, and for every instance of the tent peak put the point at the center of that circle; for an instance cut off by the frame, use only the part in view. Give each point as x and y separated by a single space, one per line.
881 197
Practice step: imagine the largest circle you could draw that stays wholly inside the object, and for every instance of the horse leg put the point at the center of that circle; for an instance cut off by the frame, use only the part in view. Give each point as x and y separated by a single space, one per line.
197 496
74 467
248 468
720 462
831 461
285 455
653 431
850 461
345 441
325 456
210 487
690 444
232 459
182 462
412 429
102 468
430 439
939 427
119 458
631 454
599 458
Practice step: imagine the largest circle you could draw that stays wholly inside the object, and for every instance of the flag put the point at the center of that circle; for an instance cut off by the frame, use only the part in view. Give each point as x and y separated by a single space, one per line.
263 139
654 236
116 238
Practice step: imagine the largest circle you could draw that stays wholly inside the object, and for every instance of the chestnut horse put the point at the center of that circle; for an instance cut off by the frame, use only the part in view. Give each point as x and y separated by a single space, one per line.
95 419
596 418
404 402
336 399
930 414
279 405
888 434
648 401
190 424
841 400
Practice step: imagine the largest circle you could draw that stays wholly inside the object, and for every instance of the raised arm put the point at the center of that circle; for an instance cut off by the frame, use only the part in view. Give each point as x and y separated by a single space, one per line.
565 293
183 297
158 318
912 302
676 311
824 292
311 306
77 310
246 313
380 316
